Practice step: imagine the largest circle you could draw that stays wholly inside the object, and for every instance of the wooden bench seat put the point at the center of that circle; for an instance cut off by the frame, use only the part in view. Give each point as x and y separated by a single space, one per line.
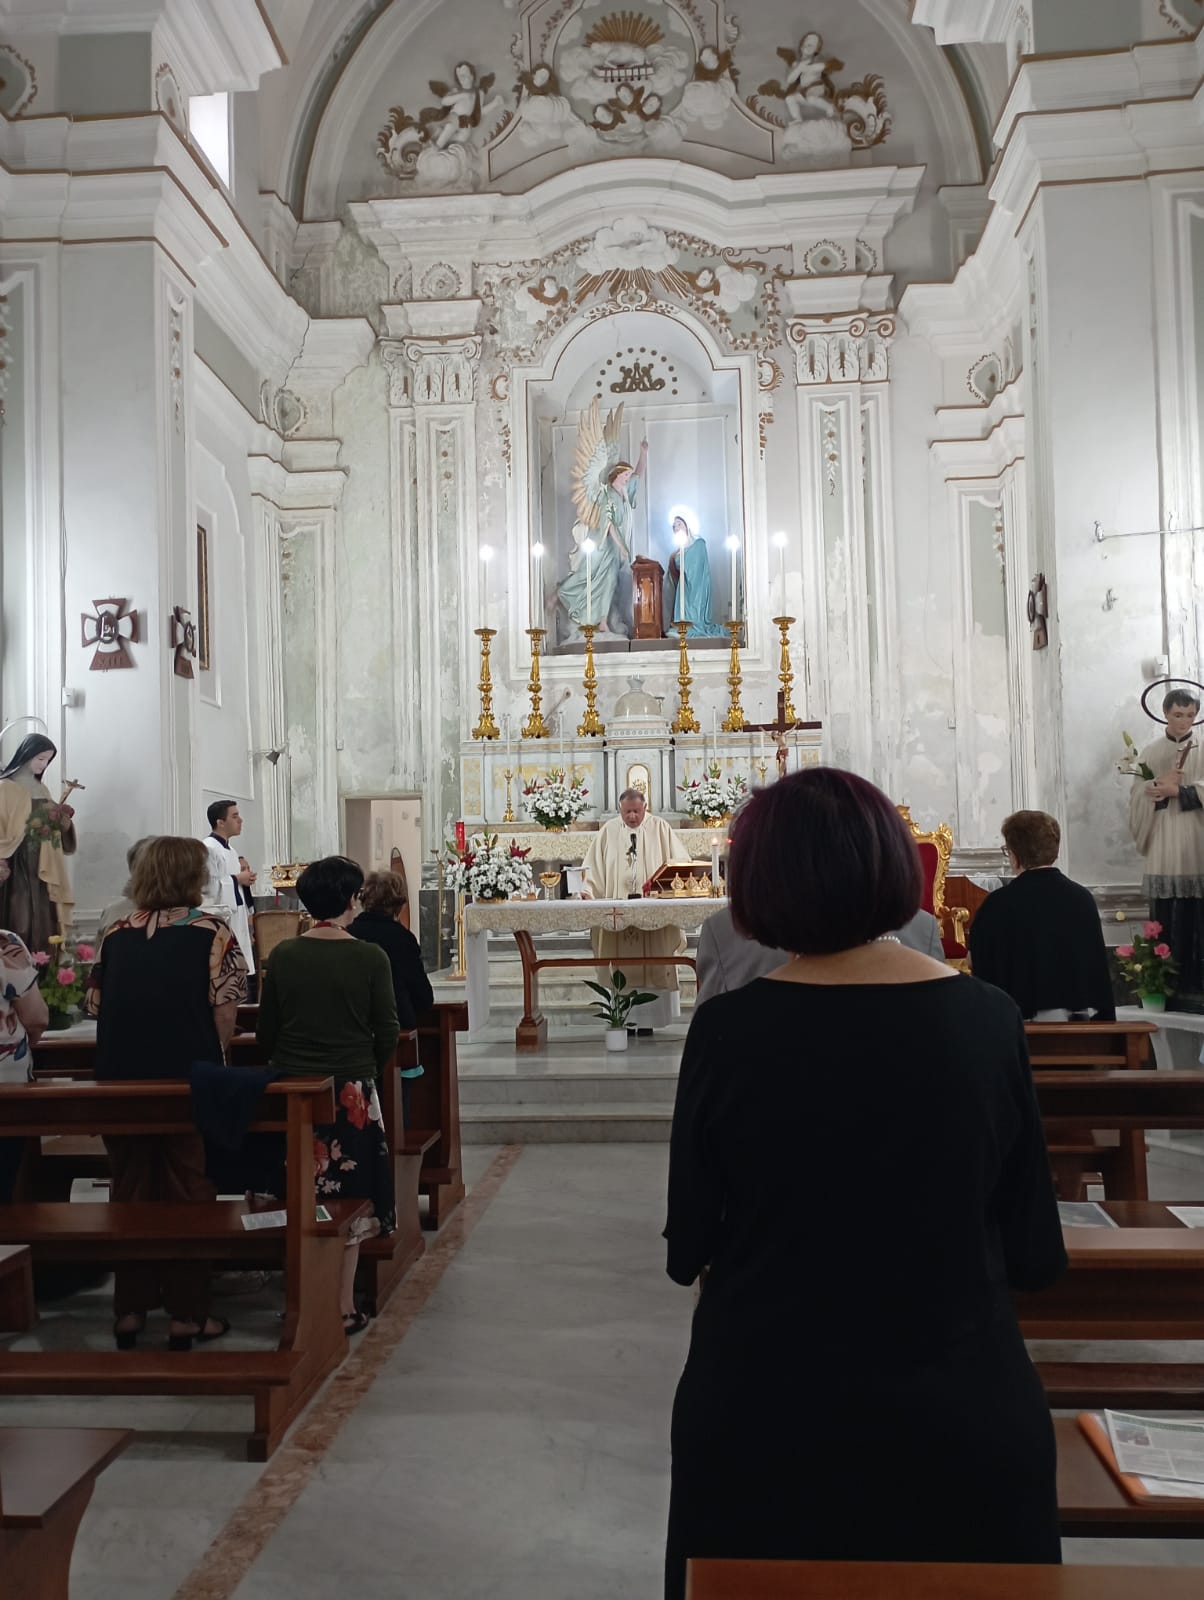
46 1480
907 1580
1077 1159
1122 1385
18 1313
312 1341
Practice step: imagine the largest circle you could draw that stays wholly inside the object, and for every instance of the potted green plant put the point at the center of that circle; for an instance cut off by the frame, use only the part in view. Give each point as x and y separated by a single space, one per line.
1148 966
614 1007
63 977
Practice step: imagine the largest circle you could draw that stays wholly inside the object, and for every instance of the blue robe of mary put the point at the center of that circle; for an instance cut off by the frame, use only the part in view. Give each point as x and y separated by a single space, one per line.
692 599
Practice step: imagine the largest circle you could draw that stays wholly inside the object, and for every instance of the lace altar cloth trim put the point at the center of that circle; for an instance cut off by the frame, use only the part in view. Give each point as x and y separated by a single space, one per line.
1168 888
574 916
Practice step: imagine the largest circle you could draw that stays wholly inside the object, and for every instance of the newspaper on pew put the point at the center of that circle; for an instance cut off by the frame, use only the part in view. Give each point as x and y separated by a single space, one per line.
1166 1453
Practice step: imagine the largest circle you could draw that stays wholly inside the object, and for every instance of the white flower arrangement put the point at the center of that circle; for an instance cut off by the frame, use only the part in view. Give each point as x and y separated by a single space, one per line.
712 796
487 870
555 801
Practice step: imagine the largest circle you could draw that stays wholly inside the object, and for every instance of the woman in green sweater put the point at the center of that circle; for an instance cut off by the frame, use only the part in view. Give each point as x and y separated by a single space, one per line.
327 1010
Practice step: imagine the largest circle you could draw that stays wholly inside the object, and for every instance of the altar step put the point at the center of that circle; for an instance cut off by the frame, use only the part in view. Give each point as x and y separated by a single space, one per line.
574 1093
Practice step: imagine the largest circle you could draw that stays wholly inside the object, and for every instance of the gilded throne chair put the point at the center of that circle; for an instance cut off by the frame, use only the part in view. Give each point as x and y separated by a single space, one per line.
953 921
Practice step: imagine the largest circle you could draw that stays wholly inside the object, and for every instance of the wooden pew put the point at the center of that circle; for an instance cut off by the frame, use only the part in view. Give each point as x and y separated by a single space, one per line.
1142 1280
1076 1156
312 1341
434 1102
905 1580
47 1476
1125 1102
384 1261
18 1313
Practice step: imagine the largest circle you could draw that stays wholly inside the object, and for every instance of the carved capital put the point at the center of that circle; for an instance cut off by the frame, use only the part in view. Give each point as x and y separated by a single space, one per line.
397 370
444 370
844 349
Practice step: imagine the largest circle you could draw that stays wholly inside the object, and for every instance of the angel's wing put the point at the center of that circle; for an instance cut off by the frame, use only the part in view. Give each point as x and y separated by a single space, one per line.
591 464
438 88
487 82
788 56
614 431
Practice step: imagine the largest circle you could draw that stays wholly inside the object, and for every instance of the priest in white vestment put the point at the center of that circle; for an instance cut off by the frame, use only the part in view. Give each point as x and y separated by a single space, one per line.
623 855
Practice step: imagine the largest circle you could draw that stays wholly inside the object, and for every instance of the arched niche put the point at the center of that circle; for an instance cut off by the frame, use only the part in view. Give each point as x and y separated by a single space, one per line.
696 405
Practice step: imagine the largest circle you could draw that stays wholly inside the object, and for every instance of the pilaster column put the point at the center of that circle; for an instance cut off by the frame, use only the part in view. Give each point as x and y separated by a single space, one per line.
432 371
296 504
842 367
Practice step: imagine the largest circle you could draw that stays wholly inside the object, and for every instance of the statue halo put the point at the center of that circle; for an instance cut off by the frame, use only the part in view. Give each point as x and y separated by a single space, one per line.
1159 683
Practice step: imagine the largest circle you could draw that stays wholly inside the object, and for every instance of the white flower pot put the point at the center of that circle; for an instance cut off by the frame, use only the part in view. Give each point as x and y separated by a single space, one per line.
616 1038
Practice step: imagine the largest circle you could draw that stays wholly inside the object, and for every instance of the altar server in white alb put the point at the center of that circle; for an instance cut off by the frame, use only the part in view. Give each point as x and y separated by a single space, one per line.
228 888
623 855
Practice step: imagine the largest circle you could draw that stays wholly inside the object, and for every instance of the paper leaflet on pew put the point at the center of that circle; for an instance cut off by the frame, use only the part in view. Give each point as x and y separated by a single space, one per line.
1166 1454
1084 1214
1189 1216
276 1219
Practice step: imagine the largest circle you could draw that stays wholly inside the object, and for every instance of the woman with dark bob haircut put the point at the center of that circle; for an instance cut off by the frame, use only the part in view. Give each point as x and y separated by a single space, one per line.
858 1177
326 1010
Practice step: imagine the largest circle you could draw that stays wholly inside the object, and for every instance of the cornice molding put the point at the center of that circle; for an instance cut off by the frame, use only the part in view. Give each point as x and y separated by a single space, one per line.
984 458
788 209
982 302
107 178
215 44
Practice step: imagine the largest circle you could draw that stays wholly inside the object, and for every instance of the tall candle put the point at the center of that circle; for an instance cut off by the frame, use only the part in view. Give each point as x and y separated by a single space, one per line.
461 837
536 608
733 545
588 547
715 862
780 540
509 740
486 553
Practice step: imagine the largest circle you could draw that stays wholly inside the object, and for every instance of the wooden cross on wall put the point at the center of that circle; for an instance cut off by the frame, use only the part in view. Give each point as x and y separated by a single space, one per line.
778 730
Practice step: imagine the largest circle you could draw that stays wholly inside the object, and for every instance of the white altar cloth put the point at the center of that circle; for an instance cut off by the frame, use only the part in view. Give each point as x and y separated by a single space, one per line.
564 916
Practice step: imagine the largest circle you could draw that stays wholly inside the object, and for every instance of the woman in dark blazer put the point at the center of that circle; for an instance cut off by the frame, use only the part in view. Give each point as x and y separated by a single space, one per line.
382 902
859 1177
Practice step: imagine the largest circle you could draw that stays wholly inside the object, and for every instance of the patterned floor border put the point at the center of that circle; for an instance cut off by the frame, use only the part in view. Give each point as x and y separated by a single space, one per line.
245 1536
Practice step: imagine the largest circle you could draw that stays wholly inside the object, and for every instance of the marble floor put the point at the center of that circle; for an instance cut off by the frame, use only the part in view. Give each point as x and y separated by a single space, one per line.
500 1433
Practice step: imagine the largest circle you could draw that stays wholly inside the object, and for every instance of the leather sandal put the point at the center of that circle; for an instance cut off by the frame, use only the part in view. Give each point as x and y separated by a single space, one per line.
185 1341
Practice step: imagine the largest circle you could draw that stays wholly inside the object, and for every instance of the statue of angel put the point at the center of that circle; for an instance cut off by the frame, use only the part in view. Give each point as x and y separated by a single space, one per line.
809 89
605 493
462 106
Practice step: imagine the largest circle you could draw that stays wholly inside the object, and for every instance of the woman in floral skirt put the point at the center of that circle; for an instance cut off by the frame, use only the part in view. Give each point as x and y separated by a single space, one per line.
327 1010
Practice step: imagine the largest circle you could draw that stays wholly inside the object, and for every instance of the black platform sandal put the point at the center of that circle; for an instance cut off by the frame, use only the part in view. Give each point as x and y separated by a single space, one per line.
127 1338
185 1341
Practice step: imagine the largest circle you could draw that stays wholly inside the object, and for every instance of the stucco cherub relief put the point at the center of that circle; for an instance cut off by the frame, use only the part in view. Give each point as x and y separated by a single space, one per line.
818 118
439 144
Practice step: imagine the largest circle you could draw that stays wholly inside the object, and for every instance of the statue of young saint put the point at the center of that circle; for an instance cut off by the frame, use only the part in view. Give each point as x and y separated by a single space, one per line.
1166 818
690 570
605 494
36 834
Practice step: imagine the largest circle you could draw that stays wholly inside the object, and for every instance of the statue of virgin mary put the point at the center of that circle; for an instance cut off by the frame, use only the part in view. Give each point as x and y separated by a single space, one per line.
690 572
36 833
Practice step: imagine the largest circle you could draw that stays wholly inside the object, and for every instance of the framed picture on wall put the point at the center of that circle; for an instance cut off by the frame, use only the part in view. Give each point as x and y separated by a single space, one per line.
202 598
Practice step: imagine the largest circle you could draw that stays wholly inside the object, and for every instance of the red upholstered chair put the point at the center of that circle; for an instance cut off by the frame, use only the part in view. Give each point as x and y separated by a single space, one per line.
935 849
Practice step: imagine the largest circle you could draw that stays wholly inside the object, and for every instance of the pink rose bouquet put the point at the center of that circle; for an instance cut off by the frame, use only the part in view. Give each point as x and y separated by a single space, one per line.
1147 963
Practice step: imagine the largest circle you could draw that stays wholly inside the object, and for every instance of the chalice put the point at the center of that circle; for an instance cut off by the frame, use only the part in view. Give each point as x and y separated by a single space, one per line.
550 881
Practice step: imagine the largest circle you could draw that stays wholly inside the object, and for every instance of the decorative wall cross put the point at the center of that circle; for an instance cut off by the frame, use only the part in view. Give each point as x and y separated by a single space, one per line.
183 641
111 629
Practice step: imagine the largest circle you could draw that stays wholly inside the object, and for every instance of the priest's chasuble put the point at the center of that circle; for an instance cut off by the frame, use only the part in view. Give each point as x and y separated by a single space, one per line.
614 871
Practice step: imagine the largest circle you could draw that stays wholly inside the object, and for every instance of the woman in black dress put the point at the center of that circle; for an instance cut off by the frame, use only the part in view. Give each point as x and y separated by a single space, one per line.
858 1174
383 900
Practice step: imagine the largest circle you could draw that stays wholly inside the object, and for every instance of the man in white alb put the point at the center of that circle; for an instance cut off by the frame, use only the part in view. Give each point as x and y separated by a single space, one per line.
623 855
228 889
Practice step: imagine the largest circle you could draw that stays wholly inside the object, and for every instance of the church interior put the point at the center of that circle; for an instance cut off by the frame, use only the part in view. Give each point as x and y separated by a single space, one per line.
553 432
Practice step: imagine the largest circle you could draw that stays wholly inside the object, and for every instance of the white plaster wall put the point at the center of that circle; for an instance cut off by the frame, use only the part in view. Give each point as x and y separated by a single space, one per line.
1103 450
926 778
223 766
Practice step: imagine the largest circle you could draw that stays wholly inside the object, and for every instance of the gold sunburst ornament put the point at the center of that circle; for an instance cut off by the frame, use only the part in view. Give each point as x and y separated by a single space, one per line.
626 27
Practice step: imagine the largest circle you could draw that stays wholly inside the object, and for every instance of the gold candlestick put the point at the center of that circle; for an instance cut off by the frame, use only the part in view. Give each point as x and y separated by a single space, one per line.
486 727
734 721
461 972
509 777
535 727
763 769
686 721
786 669
591 723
